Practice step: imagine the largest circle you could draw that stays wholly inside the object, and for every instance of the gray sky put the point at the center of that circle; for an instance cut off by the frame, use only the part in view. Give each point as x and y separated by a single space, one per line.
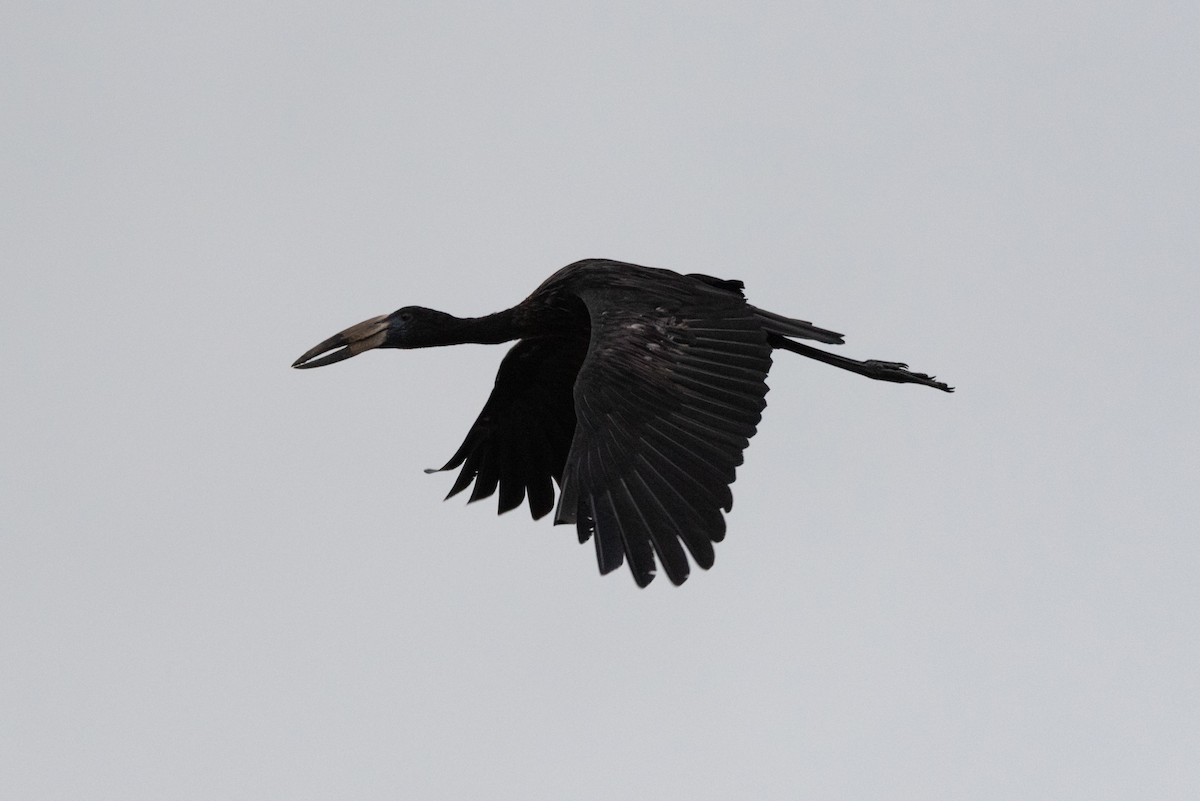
222 578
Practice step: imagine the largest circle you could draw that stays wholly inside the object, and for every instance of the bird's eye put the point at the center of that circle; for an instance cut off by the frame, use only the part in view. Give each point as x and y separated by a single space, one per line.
406 317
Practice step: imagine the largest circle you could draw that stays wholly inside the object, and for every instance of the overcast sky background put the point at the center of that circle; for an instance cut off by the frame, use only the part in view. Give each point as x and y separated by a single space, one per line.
223 578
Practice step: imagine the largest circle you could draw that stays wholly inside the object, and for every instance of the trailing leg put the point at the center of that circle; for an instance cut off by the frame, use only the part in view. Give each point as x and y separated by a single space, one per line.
871 368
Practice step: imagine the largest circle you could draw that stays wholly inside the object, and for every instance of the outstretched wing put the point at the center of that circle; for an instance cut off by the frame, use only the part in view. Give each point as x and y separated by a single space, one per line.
666 400
520 440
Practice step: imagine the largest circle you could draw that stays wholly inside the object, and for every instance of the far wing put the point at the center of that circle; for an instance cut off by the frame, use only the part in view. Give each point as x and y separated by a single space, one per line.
671 391
520 440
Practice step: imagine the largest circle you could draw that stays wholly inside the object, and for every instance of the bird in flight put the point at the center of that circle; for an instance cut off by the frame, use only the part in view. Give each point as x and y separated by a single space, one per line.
634 389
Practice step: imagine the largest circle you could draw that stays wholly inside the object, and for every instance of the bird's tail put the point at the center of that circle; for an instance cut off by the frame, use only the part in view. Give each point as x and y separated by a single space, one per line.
788 327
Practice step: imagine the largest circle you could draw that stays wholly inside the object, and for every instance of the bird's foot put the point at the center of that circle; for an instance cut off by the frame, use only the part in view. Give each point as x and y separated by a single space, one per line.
899 372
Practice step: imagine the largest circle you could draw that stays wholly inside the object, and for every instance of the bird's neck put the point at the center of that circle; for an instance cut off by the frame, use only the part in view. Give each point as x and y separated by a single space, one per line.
491 329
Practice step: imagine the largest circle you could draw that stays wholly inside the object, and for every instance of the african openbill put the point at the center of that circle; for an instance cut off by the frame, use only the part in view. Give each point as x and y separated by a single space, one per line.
635 389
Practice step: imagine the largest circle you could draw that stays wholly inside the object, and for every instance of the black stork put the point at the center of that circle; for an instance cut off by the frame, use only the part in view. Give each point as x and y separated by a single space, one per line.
635 389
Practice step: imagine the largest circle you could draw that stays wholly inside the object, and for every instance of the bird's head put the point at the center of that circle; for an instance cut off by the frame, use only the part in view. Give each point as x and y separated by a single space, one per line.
409 327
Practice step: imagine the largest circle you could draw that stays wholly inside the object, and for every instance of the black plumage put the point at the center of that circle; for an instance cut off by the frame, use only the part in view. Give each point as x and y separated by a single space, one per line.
634 389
